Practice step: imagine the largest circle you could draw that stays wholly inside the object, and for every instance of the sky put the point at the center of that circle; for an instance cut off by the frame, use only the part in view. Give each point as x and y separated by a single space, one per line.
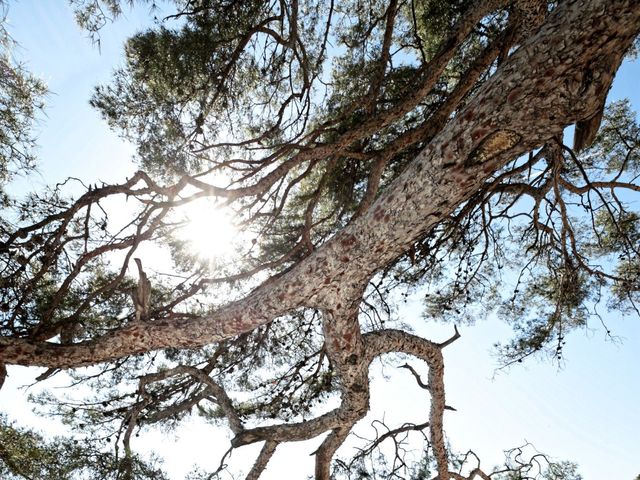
586 411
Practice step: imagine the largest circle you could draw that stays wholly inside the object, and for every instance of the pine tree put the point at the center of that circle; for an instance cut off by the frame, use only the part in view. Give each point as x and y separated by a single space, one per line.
367 149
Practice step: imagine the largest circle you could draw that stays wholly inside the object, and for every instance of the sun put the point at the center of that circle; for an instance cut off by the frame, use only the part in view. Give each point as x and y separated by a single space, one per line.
209 229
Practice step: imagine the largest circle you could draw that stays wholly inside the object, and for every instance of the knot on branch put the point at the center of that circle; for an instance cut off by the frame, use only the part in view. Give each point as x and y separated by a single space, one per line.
492 145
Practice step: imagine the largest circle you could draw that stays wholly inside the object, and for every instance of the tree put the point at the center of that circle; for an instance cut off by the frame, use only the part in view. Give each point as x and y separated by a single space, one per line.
365 150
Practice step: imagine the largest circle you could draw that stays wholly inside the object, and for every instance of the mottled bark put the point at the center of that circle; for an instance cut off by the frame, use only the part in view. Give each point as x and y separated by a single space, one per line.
327 450
268 449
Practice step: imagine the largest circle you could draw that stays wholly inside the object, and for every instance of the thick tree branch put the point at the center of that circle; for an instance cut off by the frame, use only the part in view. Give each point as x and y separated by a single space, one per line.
268 449
325 453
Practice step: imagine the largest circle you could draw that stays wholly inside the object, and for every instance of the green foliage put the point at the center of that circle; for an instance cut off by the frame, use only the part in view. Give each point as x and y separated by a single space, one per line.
562 471
615 230
92 15
435 19
180 86
25 454
21 98
538 467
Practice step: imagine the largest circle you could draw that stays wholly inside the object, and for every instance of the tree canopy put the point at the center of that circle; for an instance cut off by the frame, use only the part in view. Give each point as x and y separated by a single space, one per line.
366 150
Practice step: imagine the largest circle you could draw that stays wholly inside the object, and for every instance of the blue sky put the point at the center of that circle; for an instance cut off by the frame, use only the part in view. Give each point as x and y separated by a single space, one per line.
586 412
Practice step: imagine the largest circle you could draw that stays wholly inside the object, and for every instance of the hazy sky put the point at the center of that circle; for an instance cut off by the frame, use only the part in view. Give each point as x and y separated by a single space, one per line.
586 412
